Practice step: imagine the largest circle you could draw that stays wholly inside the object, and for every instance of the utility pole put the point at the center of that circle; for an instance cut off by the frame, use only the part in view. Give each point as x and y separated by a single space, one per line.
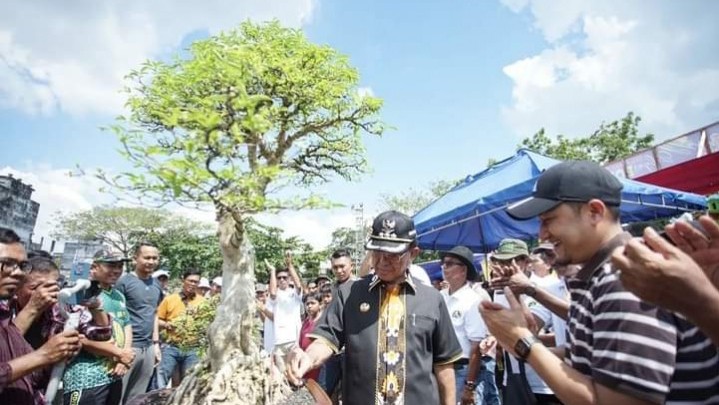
358 210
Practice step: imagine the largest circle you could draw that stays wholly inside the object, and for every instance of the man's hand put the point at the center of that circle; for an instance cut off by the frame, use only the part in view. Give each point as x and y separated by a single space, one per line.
61 347
299 364
487 344
92 304
158 353
44 296
126 357
517 281
703 249
119 370
270 267
507 325
660 273
288 258
467 397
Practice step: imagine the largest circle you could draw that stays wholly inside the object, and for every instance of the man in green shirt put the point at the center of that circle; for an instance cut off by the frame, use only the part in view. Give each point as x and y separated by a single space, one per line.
95 375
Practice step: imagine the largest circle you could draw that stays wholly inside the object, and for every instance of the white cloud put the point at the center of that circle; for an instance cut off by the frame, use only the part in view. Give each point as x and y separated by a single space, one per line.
57 192
313 226
607 58
73 56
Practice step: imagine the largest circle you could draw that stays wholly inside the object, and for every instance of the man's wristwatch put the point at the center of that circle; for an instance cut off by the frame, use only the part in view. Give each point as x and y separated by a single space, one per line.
531 290
470 385
524 346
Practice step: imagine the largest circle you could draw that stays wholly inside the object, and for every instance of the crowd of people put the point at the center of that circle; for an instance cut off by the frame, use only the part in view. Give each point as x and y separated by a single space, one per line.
589 315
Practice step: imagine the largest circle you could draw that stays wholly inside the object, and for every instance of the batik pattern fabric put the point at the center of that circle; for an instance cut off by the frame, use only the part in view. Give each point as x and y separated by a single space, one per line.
391 348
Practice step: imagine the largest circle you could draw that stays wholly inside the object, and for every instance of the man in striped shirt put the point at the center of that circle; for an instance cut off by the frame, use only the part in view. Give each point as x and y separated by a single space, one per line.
621 350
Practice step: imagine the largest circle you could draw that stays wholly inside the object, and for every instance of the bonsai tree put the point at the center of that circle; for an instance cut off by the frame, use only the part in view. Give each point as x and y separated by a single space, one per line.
248 122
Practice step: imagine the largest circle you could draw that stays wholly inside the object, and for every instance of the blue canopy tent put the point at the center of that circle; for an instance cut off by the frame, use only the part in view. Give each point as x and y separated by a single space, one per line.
473 212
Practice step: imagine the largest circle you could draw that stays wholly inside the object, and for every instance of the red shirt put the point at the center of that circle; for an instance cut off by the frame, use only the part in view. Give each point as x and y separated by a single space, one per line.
308 326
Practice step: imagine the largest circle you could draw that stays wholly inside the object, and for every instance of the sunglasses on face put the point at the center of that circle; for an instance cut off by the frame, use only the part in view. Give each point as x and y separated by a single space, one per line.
282 277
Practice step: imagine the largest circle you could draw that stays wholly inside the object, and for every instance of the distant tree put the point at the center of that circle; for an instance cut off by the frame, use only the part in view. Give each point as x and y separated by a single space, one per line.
610 142
413 200
270 244
246 114
117 227
346 238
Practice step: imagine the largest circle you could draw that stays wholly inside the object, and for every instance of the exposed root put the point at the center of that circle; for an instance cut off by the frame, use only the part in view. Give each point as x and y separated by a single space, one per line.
241 380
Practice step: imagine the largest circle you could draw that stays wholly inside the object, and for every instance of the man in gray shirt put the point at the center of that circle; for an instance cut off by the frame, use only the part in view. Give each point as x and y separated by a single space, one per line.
142 294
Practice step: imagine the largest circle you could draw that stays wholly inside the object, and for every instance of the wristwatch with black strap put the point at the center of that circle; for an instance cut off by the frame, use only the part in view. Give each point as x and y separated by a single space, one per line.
524 346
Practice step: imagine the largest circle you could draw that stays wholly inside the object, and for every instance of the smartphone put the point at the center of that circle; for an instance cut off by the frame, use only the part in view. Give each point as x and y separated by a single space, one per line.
88 293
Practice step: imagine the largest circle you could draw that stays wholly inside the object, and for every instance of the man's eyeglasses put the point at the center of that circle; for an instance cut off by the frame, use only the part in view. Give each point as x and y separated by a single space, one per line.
450 263
9 265
390 257
282 277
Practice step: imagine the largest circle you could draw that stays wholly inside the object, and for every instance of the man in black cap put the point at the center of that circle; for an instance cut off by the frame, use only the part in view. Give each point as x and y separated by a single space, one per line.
621 350
462 302
397 334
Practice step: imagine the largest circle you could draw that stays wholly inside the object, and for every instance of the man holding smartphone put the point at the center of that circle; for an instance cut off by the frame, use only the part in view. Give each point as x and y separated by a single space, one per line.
95 375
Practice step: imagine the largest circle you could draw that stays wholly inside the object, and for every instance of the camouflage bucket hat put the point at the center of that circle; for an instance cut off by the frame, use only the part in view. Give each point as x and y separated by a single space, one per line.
510 248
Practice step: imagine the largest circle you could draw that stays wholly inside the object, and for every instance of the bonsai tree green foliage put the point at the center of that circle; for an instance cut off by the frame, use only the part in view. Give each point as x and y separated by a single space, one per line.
248 113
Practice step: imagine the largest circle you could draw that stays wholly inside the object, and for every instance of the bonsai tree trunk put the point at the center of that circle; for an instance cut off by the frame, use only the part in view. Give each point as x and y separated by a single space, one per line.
233 372
230 334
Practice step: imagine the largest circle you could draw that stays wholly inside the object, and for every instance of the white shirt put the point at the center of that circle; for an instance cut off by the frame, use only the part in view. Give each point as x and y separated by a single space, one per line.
288 321
463 307
419 274
557 288
268 338
536 384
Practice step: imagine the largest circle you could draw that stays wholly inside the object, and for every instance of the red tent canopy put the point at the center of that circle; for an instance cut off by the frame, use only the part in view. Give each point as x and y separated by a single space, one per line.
700 176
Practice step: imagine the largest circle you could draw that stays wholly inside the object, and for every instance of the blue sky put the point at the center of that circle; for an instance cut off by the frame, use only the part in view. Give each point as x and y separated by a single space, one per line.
462 81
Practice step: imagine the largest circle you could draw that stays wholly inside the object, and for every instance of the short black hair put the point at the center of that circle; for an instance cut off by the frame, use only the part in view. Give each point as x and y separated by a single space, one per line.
39 253
326 289
313 296
342 252
191 272
282 270
8 236
141 244
42 265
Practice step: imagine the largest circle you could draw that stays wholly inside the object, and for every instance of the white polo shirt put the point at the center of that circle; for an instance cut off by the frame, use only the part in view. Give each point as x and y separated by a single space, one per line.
288 321
463 307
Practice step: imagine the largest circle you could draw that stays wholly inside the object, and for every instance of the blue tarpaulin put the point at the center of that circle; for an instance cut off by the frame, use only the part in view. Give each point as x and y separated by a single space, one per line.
473 212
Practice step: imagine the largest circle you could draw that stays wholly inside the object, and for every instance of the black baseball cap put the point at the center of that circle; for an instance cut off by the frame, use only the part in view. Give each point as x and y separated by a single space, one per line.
108 256
392 232
572 181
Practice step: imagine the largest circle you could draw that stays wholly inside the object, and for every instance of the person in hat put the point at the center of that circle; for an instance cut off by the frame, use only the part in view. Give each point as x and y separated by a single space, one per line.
397 334
216 286
620 349
265 307
203 288
462 302
95 375
322 280
163 277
